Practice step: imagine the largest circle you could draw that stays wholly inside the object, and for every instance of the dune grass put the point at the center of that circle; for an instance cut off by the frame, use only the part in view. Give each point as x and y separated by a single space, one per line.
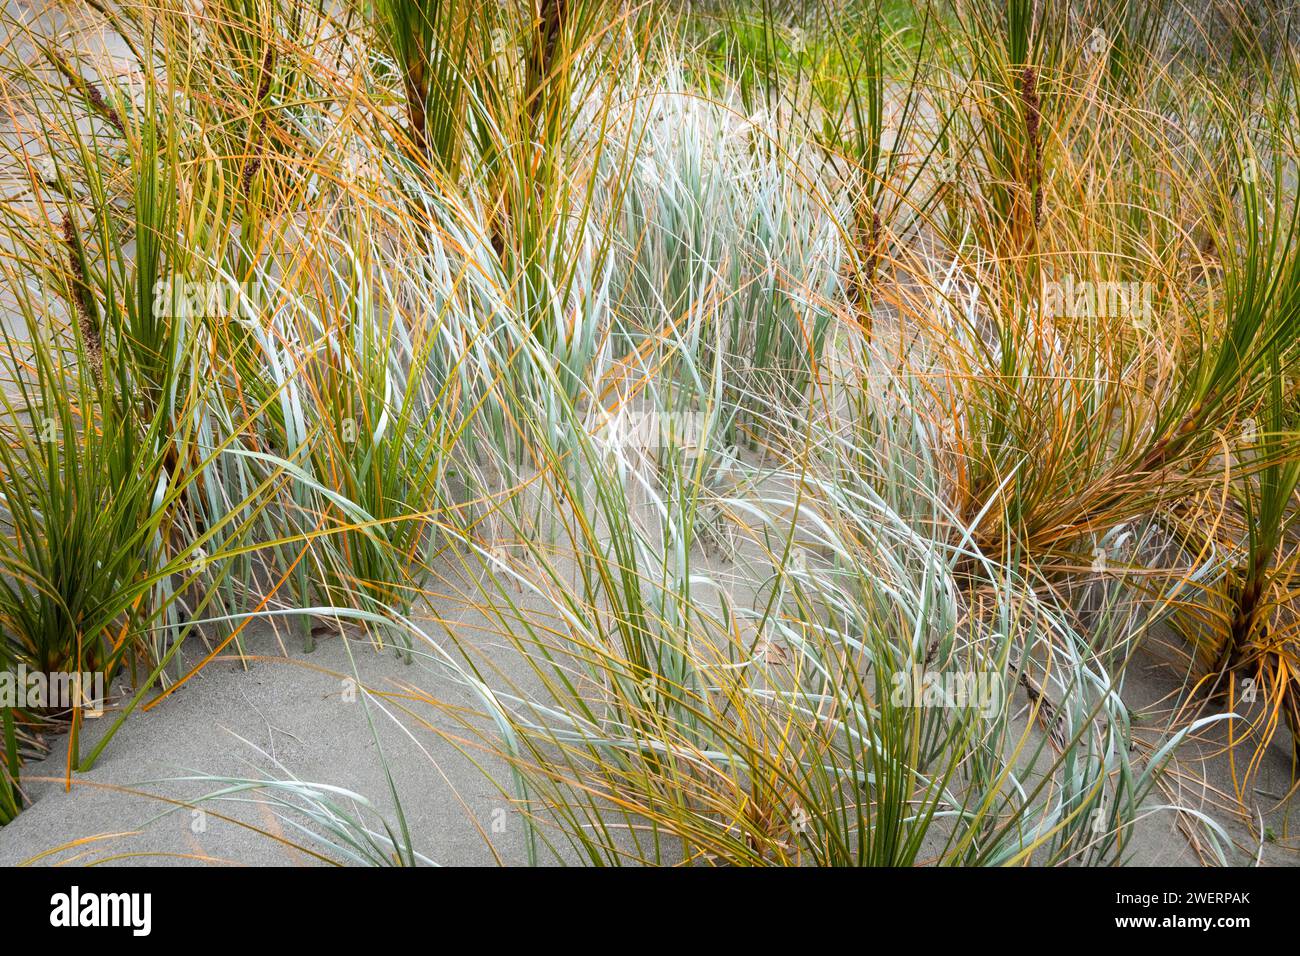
770 376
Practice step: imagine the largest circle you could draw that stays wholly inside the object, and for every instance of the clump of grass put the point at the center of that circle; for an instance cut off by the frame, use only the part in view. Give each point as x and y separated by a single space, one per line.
765 726
467 236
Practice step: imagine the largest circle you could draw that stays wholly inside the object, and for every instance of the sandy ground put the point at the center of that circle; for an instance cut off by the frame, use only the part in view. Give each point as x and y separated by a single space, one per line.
296 710
238 718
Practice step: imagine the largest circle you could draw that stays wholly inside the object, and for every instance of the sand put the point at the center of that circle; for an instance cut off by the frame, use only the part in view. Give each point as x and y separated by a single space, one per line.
238 718
296 710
